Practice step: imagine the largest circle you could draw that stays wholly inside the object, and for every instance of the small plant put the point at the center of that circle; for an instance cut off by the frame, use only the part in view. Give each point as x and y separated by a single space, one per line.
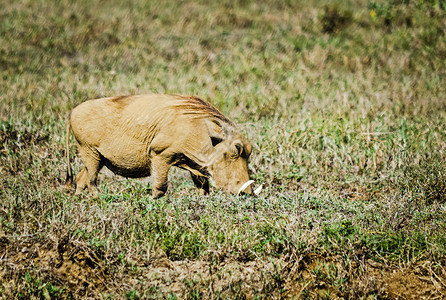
340 233
318 270
397 246
271 241
192 292
132 295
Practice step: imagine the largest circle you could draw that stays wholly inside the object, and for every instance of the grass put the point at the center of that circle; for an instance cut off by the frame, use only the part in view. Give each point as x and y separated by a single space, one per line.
343 102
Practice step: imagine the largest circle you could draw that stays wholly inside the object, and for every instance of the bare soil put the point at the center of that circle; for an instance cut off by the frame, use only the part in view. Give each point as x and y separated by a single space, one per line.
83 273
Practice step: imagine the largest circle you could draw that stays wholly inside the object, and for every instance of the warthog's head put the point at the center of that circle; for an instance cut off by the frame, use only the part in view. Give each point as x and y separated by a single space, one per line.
228 163
230 172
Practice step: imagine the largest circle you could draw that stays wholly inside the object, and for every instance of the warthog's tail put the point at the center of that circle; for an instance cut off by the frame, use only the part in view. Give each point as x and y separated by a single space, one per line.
69 178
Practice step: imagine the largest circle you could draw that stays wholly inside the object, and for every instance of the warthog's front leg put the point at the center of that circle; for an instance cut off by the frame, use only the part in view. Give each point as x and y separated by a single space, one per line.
201 183
160 172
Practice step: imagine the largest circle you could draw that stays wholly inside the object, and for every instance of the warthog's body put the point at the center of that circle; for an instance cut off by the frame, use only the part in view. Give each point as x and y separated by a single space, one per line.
138 136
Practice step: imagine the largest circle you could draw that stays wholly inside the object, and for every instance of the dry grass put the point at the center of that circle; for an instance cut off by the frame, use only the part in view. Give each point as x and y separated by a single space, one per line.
345 106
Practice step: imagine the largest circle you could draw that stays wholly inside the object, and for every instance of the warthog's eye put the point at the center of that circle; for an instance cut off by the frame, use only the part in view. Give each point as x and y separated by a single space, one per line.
239 148
236 150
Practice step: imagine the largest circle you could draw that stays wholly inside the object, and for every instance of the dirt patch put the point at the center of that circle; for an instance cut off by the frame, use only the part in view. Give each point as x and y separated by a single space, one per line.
27 266
404 284
68 268
226 279
315 276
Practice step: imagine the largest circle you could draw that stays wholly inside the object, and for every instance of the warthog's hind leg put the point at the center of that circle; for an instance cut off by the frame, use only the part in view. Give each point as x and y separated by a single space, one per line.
81 181
89 174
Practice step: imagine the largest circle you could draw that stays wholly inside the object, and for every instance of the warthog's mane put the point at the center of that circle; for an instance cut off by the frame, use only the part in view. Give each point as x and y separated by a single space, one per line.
194 106
191 106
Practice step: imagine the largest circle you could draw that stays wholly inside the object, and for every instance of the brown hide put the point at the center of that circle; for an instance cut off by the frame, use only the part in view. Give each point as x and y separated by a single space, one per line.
138 136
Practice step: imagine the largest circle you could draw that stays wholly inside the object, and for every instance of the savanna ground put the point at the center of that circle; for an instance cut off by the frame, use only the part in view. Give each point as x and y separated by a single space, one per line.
344 102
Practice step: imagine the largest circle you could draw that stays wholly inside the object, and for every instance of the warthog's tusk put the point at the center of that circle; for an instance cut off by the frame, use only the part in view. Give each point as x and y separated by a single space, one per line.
245 185
258 190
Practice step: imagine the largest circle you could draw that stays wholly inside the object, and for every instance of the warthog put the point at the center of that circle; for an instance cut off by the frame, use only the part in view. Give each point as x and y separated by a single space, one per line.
138 136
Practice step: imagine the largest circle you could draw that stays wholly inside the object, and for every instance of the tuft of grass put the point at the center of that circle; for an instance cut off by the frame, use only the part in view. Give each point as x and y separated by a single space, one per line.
426 181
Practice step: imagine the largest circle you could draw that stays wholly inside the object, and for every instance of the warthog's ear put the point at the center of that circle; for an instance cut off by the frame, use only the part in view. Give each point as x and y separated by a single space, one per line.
239 148
248 149
215 133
